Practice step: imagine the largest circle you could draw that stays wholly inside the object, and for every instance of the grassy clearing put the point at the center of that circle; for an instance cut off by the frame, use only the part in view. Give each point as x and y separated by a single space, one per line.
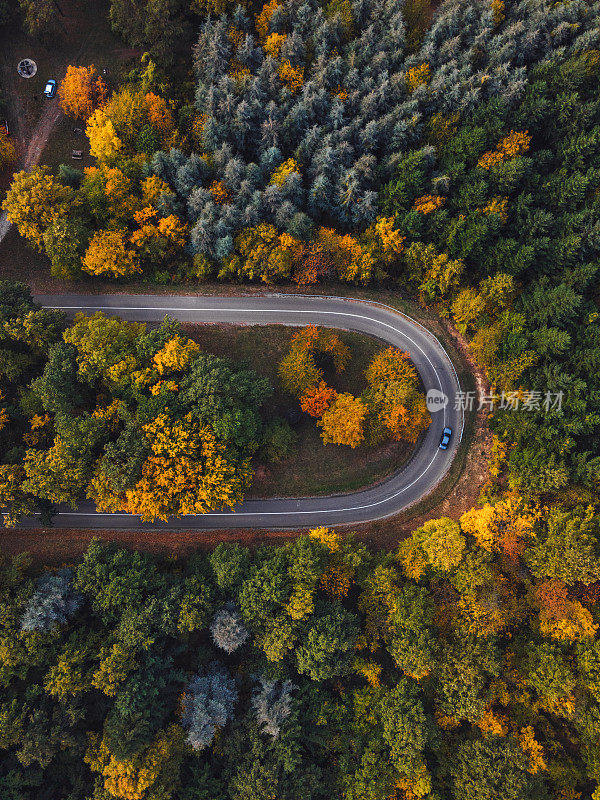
313 468
318 469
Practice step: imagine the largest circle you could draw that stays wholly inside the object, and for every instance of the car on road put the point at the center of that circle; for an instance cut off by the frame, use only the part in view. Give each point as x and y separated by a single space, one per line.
50 88
445 440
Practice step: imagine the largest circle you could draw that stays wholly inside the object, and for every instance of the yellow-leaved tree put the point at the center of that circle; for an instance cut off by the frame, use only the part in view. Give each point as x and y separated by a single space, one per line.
505 527
13 498
176 355
108 254
111 196
34 201
131 121
187 472
298 370
343 421
104 142
440 541
106 346
436 274
262 252
153 769
282 173
389 244
59 474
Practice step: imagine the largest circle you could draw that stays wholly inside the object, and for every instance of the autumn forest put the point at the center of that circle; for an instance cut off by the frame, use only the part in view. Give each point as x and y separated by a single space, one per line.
441 158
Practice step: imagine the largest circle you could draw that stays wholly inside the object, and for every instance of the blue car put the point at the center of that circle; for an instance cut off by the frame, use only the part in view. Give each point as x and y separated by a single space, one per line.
445 440
50 88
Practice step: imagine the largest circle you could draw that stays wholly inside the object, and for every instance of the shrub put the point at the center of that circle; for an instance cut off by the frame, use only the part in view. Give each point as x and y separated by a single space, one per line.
278 440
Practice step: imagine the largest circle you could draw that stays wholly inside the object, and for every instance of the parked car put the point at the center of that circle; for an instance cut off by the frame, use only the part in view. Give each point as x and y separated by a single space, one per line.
50 88
445 440
4 126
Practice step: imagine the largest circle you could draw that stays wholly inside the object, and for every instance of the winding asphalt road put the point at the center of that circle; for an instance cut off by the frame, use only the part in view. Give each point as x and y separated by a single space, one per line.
403 488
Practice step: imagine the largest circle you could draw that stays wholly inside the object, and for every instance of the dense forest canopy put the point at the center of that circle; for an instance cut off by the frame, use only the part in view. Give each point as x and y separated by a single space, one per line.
134 419
455 158
330 96
523 214
446 670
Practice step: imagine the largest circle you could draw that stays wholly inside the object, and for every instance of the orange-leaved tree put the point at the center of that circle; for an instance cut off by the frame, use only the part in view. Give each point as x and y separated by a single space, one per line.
312 262
397 406
317 399
263 19
159 239
323 340
353 261
298 370
81 91
514 145
559 617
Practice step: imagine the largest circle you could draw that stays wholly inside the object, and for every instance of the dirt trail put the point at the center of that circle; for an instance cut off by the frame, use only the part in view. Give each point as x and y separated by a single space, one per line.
30 146
4 225
41 134
35 148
